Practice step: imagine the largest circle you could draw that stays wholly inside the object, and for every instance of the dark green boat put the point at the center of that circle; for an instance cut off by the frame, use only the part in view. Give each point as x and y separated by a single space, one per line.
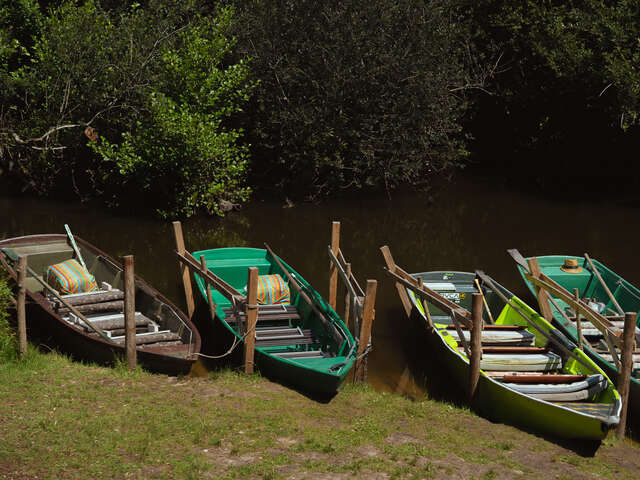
580 275
294 344
526 379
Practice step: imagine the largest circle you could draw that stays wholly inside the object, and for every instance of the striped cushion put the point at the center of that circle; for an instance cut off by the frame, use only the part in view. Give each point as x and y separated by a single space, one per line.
273 289
70 277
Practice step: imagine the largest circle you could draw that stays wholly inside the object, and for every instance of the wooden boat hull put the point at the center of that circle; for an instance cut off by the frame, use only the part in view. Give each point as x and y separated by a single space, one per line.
501 404
49 329
628 297
311 376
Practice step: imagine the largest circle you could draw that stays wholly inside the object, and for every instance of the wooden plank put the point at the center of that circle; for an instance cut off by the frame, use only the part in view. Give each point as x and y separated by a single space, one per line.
595 271
433 297
343 274
129 312
116 306
537 378
90 298
212 305
541 294
576 294
484 300
392 268
186 279
333 276
476 345
347 300
365 330
627 366
21 299
251 312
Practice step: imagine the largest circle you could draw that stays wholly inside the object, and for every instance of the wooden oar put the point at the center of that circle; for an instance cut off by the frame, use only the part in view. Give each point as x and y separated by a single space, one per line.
305 297
595 271
484 300
74 246
485 278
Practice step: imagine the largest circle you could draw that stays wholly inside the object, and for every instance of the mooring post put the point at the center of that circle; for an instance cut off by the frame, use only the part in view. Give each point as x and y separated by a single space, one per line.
368 313
129 312
624 377
21 305
347 299
333 271
251 313
212 306
186 279
476 344
541 293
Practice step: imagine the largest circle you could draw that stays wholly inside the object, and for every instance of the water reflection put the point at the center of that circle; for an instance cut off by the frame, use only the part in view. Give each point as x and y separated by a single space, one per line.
469 225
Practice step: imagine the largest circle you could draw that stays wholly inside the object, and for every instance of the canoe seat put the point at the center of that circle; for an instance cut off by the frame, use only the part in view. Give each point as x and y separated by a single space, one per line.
266 313
152 337
495 337
299 354
281 337
563 392
523 362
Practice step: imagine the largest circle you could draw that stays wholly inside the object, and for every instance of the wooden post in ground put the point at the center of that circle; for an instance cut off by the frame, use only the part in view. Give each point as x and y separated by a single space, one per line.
129 312
212 306
402 291
368 314
476 345
251 313
186 279
347 300
624 376
333 271
21 306
541 293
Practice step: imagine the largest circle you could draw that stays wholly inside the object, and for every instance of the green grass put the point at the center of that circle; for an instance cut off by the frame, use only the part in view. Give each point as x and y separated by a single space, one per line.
62 419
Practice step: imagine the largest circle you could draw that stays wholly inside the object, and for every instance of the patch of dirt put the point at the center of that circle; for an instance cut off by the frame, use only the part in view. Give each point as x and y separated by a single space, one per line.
398 438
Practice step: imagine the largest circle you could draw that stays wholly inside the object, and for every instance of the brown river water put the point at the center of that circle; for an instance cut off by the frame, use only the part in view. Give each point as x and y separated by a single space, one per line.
468 225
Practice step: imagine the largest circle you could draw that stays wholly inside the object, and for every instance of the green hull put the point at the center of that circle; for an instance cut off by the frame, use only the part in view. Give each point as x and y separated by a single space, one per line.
588 286
500 403
321 375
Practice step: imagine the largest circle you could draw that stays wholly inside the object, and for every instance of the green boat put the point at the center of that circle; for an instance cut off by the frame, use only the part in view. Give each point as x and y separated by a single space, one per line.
308 348
531 375
581 276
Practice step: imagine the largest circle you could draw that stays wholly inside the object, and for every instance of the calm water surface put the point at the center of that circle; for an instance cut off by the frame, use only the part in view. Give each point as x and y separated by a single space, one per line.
468 226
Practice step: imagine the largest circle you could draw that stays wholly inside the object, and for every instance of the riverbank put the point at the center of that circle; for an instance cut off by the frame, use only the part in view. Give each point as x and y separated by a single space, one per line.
62 419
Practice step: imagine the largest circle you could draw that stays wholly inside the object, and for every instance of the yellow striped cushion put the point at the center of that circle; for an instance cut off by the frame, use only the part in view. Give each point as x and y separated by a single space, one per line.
272 289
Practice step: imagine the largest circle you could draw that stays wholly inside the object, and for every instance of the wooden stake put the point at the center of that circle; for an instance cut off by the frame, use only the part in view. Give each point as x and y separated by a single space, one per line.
184 271
624 377
368 314
212 306
347 299
541 293
333 272
21 305
576 294
476 345
402 291
129 312
251 313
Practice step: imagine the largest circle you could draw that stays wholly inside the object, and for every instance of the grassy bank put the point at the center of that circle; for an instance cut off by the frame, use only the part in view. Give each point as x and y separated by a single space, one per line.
62 419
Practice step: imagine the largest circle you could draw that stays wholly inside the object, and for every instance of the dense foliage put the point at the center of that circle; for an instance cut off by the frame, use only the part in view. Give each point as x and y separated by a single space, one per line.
353 94
8 342
152 82
189 103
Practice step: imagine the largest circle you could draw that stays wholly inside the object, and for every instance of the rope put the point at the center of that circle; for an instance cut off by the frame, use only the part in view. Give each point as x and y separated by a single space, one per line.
235 343
621 283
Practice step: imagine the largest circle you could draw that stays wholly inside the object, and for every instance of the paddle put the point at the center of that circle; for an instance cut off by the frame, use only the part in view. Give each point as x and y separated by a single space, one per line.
74 246
595 271
329 325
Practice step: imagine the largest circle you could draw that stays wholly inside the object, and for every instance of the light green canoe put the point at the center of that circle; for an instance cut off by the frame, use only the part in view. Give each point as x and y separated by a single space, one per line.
527 380
293 344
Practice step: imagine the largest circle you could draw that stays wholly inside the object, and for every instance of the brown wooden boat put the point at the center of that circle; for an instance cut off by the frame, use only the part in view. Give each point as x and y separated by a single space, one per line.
90 326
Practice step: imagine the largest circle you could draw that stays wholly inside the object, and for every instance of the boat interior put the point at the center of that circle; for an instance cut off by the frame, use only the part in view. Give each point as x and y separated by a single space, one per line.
159 328
517 355
590 288
291 330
